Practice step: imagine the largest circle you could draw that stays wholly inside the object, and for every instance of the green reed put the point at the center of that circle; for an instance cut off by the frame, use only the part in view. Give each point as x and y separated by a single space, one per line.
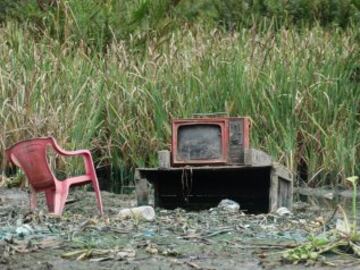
301 88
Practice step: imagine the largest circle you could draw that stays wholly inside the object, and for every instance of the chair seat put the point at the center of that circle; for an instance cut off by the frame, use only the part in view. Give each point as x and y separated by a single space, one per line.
78 180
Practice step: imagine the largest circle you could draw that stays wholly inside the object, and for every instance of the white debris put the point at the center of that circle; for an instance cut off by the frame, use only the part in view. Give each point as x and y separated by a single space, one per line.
141 212
229 205
24 230
329 195
343 227
283 211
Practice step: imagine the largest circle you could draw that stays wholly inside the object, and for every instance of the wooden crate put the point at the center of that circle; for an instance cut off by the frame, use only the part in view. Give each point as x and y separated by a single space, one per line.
260 186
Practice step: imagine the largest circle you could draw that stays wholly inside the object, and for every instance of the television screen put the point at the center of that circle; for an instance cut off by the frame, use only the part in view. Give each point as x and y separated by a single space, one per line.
199 142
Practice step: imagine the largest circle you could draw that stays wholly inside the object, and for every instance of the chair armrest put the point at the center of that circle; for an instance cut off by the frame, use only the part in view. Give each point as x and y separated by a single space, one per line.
86 154
11 160
63 152
73 153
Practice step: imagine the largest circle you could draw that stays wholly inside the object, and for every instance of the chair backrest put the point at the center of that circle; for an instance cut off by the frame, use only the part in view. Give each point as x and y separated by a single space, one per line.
31 157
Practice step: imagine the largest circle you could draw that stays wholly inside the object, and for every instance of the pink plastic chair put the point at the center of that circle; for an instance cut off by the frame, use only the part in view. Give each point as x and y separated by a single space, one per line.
31 157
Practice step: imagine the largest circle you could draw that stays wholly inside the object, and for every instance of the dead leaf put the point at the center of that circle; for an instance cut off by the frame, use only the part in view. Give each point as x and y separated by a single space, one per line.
193 265
74 253
152 249
126 254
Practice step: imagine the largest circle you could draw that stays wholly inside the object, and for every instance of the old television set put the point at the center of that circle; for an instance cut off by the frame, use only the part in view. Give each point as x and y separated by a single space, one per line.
210 141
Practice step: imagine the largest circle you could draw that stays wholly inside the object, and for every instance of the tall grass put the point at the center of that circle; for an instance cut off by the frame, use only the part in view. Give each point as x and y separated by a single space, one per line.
97 23
301 88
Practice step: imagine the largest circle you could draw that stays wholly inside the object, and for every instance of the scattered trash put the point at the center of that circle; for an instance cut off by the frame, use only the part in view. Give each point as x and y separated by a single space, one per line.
152 249
329 195
283 211
141 212
99 255
24 231
149 233
229 205
175 234
127 253
27 246
342 227
170 252
320 221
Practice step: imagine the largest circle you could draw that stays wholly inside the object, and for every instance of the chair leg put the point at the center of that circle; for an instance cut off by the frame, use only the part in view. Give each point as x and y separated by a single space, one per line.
49 194
96 188
33 200
60 197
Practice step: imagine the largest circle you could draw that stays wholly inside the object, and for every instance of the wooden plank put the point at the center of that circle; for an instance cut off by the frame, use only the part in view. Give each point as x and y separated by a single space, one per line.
141 189
290 195
257 158
202 168
286 187
273 192
286 193
237 182
283 172
164 159
285 179
157 200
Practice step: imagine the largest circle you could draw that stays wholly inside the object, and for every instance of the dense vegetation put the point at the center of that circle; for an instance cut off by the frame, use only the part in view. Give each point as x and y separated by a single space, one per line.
110 75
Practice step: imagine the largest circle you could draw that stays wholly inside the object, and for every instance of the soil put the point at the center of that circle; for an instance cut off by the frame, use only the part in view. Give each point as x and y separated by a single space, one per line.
210 239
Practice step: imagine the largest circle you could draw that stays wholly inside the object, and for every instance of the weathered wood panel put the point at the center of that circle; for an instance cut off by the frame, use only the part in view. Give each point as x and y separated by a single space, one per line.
255 157
260 186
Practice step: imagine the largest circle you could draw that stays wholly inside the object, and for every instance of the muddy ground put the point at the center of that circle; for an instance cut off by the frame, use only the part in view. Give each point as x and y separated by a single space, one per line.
211 239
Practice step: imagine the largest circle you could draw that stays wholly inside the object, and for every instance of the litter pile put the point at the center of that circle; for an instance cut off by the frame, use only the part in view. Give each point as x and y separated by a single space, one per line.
220 238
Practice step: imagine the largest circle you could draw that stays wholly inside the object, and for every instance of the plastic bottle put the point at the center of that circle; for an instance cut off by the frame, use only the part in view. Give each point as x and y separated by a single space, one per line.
141 212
